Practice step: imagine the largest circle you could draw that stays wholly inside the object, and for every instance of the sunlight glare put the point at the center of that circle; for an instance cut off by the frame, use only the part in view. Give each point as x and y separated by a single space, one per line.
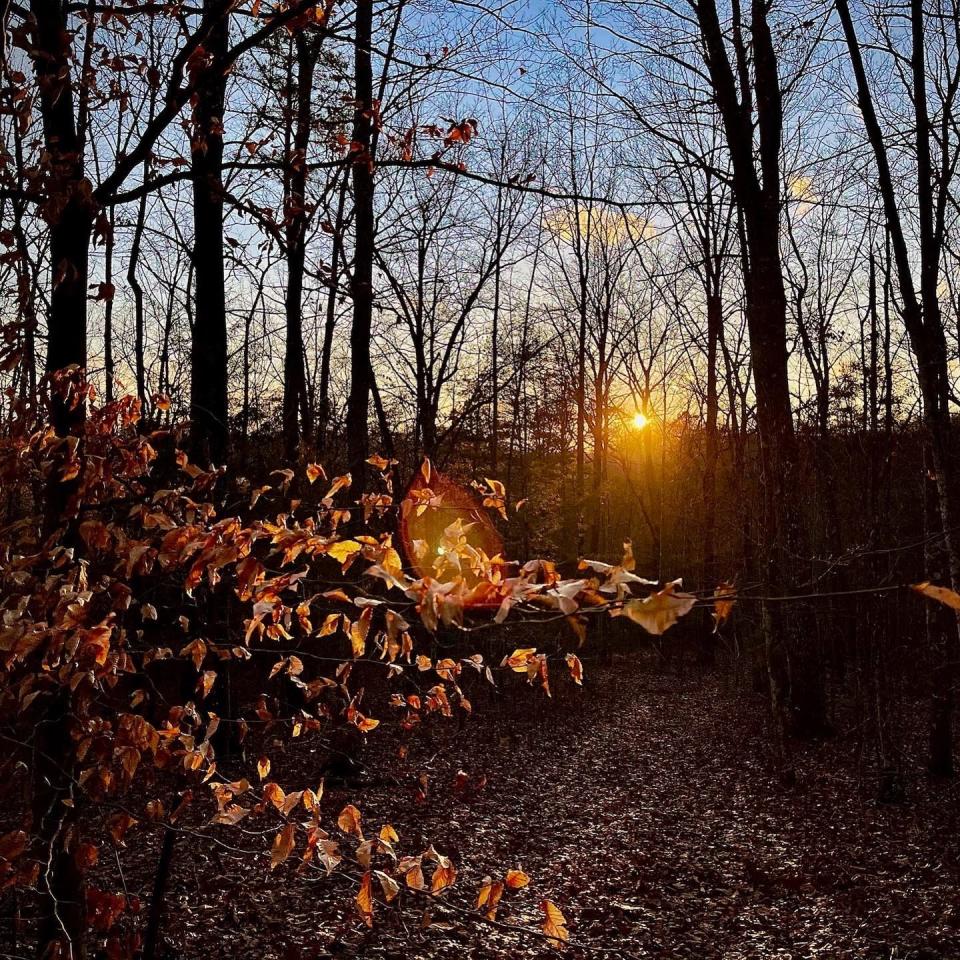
640 420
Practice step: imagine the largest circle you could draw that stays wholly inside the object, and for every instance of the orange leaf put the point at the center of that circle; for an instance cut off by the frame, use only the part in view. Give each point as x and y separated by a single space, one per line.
388 834
722 608
576 668
660 611
282 845
516 879
349 820
554 924
274 793
344 550
942 595
338 484
364 900
444 875
358 632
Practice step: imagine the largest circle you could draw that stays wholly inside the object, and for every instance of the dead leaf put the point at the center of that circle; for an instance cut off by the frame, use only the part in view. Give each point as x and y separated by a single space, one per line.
349 820
282 845
364 899
660 611
554 924
944 595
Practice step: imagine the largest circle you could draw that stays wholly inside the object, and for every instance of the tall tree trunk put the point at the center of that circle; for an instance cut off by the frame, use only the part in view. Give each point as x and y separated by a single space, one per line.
330 321
295 210
69 209
495 344
579 489
62 921
139 360
108 365
358 440
208 354
714 323
757 178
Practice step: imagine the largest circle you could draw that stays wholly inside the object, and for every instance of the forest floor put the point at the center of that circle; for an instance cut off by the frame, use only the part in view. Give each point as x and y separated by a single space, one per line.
646 809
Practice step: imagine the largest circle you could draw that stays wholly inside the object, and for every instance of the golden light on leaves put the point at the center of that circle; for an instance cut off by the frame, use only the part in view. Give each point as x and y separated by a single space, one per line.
388 834
660 611
575 667
489 897
944 595
389 886
447 535
315 472
445 873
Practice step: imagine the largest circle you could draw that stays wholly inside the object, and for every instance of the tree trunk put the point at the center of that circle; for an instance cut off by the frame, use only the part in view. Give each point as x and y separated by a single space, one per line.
358 441
62 922
69 209
714 323
294 373
330 322
139 361
208 355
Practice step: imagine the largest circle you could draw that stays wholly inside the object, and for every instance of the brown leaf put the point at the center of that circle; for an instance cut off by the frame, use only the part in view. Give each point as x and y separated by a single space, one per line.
722 608
554 924
576 668
660 611
349 820
364 899
282 845
389 886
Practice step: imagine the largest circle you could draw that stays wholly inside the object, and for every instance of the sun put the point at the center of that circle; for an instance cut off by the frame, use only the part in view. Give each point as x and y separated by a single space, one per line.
640 420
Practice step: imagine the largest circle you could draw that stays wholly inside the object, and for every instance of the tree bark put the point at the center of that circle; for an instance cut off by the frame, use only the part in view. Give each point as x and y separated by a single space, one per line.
69 207
295 412
361 286
757 192
208 355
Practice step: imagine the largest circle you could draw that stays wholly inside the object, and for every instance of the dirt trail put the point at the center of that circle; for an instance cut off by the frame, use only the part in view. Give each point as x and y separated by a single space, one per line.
648 814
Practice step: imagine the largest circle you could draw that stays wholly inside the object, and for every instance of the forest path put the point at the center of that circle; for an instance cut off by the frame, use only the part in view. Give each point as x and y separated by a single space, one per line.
644 807
651 817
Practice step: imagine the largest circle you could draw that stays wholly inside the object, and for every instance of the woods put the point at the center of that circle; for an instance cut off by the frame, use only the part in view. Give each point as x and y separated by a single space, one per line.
390 385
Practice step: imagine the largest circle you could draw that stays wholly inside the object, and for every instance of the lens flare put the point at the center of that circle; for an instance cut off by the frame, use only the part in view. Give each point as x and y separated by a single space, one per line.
447 535
640 420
